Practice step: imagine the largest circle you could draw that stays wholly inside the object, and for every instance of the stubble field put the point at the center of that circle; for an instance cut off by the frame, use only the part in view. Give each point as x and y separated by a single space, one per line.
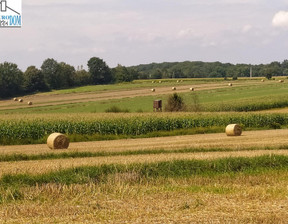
199 178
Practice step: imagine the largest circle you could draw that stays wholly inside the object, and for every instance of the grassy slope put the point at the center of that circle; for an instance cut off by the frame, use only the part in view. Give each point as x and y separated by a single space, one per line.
258 93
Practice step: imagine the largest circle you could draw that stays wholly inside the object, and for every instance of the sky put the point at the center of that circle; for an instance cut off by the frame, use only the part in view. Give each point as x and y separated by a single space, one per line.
133 32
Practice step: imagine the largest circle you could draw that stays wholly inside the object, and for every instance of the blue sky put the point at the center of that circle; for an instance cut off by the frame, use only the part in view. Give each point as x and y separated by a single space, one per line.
132 32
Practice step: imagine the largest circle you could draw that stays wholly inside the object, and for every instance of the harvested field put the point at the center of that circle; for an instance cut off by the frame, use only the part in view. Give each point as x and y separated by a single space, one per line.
44 166
145 205
249 139
258 140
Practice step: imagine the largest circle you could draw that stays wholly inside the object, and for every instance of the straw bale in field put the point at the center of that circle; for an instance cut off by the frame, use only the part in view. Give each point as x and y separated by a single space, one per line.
20 100
262 80
233 130
281 80
173 88
153 81
153 90
15 99
191 89
230 84
30 103
160 81
58 141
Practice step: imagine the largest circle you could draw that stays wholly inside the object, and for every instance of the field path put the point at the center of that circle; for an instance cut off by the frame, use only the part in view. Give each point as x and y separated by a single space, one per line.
256 139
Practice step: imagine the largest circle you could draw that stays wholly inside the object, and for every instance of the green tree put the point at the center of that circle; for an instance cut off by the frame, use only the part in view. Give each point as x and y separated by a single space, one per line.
50 69
99 70
157 74
34 80
11 79
82 78
66 73
121 74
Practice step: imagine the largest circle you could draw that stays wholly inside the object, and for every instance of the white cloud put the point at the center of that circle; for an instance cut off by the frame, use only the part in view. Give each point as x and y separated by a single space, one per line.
280 19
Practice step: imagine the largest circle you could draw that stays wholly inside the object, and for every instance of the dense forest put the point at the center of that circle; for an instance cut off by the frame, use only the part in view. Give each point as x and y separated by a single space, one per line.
54 75
198 69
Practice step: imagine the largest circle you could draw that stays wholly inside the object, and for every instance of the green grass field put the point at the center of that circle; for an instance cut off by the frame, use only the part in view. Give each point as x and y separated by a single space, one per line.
254 96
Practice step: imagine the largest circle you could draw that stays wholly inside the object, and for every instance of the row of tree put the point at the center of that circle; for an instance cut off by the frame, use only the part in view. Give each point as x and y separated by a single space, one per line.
54 75
198 69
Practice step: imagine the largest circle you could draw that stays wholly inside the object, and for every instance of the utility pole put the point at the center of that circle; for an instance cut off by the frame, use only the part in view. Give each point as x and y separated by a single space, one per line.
251 72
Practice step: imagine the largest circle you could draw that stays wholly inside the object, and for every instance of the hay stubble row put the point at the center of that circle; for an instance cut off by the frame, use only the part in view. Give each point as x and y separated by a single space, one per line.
249 139
253 139
44 166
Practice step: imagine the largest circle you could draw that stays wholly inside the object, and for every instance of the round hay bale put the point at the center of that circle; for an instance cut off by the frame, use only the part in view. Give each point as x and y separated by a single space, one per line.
57 141
178 81
262 80
233 130
230 84
153 81
191 89
30 103
160 81
173 88
20 100
15 99
281 81
153 90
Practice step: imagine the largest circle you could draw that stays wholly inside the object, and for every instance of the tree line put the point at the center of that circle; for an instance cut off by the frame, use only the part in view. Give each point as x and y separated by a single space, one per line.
54 75
199 69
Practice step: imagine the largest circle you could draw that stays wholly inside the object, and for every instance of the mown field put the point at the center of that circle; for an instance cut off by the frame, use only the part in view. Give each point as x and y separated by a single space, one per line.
145 167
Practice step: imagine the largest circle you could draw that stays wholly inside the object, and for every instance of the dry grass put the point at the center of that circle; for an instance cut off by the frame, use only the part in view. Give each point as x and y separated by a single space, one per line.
257 139
243 198
43 166
247 199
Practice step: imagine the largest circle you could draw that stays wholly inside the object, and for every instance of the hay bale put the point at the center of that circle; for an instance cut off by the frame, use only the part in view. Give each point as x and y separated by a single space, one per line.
153 90
262 80
20 100
173 88
178 81
153 81
233 130
160 81
30 103
281 81
57 141
15 99
230 84
191 89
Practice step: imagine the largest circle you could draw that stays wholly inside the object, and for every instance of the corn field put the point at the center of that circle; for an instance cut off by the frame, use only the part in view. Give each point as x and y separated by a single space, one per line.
38 128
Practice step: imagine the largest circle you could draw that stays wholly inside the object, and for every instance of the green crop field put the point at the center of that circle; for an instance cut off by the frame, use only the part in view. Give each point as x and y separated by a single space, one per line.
209 95
139 166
